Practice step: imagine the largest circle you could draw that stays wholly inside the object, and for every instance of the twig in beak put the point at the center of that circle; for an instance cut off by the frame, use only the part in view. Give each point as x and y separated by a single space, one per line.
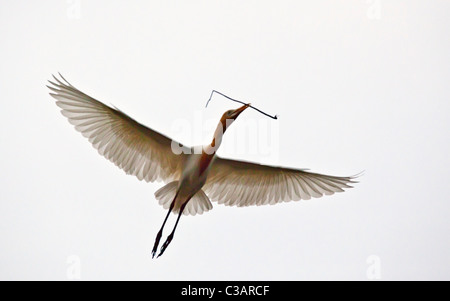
214 91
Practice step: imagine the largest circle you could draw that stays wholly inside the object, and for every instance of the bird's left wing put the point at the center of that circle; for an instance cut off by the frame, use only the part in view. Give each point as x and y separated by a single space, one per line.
240 183
133 147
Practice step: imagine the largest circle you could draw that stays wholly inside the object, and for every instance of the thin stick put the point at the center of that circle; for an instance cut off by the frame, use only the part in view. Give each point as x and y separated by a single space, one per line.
214 91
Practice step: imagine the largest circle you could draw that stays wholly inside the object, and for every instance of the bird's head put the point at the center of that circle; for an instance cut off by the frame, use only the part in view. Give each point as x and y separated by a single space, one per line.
227 118
231 115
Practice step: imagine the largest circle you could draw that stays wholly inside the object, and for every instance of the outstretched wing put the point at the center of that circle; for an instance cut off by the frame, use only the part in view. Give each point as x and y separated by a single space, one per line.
133 147
239 183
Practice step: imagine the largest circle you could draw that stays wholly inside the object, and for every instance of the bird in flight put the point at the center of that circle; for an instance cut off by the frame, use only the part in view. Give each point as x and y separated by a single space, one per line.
193 176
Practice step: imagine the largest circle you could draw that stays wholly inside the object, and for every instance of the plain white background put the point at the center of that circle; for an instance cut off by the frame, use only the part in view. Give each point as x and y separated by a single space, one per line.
359 85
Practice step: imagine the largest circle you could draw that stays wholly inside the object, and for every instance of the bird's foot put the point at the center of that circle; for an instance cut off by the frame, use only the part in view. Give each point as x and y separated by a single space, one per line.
155 246
166 243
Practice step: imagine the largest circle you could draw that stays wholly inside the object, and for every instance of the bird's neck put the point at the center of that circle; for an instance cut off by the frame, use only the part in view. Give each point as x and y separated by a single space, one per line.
217 139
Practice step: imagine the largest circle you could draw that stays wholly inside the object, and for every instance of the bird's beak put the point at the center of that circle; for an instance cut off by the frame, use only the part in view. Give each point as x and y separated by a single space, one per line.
240 110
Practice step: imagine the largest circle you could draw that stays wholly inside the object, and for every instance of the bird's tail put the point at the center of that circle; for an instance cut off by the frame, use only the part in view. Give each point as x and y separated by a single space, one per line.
198 204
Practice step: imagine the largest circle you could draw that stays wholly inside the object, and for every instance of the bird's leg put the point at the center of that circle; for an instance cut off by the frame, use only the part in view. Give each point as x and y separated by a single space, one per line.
170 237
158 236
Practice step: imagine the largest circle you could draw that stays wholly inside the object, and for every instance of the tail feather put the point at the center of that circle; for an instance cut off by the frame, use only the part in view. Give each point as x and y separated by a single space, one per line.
198 204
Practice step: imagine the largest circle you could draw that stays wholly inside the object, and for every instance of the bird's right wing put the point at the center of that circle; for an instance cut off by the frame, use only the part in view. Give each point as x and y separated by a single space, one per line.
240 183
133 147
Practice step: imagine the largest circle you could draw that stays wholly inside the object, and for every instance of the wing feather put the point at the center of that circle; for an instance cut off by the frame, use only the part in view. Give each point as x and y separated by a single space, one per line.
240 183
133 147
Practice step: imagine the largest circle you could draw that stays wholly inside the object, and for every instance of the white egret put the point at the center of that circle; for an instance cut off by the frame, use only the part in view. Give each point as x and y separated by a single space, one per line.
192 178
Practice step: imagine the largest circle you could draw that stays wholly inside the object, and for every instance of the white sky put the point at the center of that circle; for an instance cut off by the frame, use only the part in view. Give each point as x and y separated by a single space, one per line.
359 85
